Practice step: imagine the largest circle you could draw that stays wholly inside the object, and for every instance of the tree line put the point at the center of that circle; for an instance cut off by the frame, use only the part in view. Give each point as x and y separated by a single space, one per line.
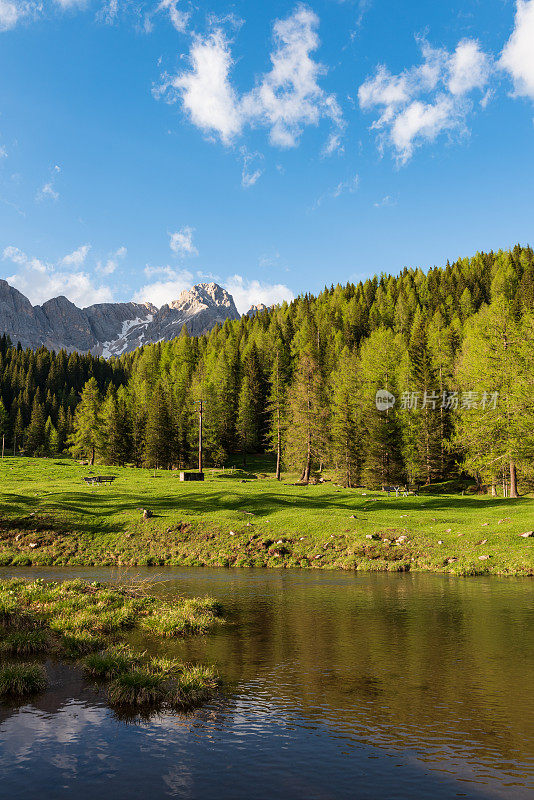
453 346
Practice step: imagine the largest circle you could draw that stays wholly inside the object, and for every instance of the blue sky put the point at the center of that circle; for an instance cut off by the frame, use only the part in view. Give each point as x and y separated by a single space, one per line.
274 147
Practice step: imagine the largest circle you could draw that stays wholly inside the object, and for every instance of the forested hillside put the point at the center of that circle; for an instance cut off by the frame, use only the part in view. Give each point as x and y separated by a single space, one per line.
454 346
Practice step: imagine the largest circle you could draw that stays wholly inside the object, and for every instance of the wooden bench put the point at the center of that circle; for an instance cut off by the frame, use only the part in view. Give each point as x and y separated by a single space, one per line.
92 479
404 490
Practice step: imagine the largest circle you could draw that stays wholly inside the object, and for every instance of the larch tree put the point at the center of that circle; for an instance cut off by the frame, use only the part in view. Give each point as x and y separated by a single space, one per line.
496 413
307 427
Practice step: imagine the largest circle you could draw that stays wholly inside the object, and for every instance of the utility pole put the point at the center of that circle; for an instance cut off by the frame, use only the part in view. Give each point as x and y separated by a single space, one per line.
3 444
200 410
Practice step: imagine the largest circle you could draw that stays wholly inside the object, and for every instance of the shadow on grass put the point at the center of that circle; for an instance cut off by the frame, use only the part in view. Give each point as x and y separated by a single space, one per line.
88 512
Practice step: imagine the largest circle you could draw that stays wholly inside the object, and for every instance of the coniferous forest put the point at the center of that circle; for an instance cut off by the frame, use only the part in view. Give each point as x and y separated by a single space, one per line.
453 345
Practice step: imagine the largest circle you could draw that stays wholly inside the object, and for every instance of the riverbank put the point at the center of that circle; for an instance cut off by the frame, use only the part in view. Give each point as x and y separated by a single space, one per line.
50 516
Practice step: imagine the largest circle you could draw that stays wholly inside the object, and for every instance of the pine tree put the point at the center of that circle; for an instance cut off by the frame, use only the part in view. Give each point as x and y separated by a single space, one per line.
51 438
277 409
251 406
382 461
159 434
36 436
18 432
117 445
4 422
86 438
347 433
61 430
423 421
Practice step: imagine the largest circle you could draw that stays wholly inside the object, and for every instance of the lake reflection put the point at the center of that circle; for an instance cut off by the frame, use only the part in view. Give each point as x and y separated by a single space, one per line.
336 686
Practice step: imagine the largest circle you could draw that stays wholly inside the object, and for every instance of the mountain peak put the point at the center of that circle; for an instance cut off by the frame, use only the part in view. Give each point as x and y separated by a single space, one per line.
111 328
208 295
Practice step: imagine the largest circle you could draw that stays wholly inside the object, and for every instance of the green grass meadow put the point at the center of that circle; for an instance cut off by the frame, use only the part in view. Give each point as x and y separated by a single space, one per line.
49 516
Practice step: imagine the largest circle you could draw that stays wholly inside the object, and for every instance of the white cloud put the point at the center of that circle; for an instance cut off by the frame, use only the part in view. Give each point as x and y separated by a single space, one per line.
179 18
250 173
517 57
9 15
247 293
77 258
181 242
109 266
161 292
47 192
420 103
388 200
206 92
68 4
40 280
285 100
289 96
13 11
348 186
469 68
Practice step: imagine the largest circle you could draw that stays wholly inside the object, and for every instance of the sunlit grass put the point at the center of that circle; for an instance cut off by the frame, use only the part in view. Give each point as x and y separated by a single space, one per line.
25 643
19 680
81 620
48 516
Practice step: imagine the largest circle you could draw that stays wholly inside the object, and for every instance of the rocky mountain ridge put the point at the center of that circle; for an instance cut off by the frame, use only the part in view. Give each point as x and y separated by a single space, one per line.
111 328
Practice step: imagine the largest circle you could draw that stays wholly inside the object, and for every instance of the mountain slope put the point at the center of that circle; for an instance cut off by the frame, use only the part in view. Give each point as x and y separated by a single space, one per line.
110 328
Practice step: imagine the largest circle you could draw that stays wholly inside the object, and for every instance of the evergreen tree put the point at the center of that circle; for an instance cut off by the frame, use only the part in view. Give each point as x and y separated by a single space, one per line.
382 461
36 443
50 438
18 432
422 420
159 434
251 406
86 438
4 422
117 445
347 438
277 409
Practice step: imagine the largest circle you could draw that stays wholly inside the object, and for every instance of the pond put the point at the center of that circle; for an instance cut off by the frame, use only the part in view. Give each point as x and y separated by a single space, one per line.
335 685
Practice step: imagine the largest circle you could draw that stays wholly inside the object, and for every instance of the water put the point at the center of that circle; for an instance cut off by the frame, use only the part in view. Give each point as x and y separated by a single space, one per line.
336 685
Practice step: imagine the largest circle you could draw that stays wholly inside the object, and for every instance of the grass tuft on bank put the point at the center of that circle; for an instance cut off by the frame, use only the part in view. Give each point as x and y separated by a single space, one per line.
22 680
78 619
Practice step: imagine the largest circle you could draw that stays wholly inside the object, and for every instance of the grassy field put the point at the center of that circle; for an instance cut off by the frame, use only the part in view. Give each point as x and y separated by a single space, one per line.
50 516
